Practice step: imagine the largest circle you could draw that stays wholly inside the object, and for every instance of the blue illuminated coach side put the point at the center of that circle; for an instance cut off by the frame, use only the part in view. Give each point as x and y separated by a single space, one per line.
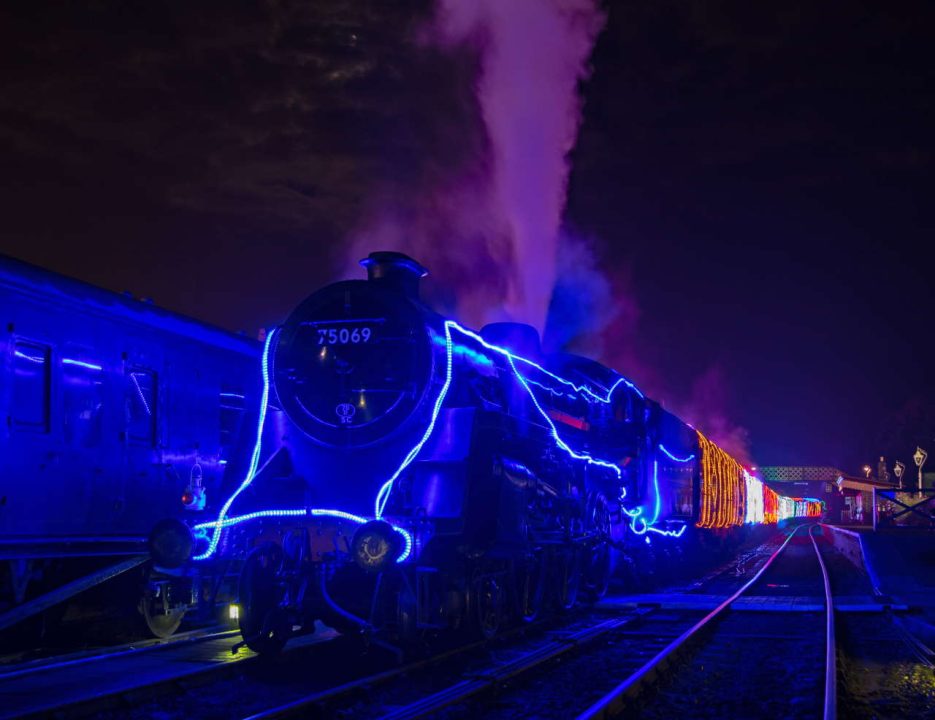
118 414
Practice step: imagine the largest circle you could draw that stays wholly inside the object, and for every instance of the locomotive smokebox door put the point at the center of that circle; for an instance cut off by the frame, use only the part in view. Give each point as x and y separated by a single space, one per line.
375 546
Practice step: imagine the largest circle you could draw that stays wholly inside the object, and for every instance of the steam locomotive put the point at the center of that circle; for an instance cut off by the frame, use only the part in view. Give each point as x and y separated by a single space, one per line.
122 421
409 475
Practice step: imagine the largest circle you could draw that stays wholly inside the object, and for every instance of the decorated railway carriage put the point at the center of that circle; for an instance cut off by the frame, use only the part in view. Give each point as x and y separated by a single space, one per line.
120 420
411 475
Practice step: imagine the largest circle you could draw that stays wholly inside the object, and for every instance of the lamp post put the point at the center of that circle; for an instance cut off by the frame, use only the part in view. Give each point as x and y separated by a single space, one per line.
898 470
867 470
920 456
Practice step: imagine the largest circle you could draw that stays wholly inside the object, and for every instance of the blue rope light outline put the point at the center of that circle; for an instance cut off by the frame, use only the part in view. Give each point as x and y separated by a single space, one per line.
225 522
673 457
254 459
385 490
554 431
636 514
303 512
581 389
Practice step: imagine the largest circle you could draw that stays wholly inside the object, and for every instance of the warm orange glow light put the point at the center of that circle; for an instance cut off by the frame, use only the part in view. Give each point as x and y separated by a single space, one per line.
723 488
724 493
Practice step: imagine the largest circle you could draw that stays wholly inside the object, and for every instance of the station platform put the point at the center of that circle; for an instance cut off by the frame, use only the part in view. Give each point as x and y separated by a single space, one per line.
900 563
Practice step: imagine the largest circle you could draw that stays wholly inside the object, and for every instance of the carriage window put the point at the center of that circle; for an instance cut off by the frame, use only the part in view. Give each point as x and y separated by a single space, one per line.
30 401
141 405
83 399
231 402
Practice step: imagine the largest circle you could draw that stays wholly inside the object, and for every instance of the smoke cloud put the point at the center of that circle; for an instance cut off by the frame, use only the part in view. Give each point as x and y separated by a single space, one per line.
490 230
707 410
595 312
482 204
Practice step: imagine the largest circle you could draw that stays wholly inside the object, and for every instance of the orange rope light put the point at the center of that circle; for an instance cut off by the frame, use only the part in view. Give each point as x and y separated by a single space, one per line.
770 506
723 488
724 493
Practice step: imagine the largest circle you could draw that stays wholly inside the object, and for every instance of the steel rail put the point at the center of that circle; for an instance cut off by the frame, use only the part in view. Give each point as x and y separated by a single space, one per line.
64 592
464 688
323 696
329 694
483 681
831 673
107 653
479 682
119 698
613 701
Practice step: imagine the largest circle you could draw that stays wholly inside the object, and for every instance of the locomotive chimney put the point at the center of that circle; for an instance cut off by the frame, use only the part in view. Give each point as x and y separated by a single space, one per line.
395 270
518 338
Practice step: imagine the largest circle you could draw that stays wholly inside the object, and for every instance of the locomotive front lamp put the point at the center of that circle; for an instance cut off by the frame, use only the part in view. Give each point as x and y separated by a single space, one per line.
376 546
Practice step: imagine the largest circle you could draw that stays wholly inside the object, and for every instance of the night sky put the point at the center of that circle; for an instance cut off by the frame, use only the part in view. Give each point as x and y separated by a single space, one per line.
752 179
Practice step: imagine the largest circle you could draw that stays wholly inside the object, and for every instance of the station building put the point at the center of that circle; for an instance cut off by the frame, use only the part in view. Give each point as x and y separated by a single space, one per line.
848 499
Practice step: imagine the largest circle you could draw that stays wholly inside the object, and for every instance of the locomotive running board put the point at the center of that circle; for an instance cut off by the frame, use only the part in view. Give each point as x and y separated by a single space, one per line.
43 602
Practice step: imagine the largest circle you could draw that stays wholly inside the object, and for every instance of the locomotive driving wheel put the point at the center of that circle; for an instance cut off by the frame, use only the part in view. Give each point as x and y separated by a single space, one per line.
596 567
568 576
530 584
263 626
488 598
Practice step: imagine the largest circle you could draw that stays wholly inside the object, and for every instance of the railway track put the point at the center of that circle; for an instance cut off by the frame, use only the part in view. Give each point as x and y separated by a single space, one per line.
768 649
724 643
195 668
410 693
647 660
92 682
14 667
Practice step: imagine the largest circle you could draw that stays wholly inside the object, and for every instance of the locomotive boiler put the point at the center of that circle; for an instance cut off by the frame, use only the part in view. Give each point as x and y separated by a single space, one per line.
409 475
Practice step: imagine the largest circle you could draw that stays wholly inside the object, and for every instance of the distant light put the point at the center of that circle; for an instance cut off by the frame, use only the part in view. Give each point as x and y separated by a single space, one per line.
233 611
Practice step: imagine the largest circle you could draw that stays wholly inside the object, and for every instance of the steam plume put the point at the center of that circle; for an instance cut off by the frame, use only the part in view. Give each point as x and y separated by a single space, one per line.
531 56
